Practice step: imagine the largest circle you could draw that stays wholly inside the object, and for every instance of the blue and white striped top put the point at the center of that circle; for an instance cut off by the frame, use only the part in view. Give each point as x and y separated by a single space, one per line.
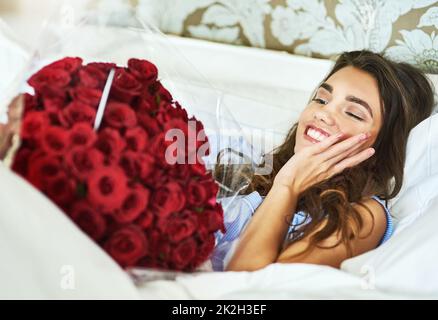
239 210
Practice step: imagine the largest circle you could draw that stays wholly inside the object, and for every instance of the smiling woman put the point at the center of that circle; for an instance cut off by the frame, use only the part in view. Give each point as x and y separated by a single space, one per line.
340 104
323 200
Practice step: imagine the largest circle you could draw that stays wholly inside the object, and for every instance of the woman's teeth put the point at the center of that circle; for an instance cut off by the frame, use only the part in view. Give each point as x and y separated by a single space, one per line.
315 134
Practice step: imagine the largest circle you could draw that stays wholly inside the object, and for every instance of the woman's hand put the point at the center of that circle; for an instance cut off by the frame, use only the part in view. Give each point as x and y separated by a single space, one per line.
322 161
12 127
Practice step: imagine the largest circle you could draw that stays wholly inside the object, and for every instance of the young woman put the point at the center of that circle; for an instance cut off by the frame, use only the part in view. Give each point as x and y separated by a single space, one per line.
324 200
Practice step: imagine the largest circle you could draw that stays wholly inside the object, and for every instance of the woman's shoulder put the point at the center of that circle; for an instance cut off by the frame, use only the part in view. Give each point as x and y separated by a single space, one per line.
377 220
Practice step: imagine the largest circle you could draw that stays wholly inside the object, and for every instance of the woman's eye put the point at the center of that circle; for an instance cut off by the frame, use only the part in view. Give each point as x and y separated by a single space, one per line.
319 100
354 116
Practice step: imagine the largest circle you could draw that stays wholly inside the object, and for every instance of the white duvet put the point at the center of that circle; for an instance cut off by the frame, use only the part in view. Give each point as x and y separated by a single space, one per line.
277 281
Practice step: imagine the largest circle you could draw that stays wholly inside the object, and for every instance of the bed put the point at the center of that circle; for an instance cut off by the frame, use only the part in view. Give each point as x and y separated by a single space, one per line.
45 256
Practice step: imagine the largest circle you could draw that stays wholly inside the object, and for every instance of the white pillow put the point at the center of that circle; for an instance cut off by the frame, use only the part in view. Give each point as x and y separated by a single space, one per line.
45 256
408 262
421 163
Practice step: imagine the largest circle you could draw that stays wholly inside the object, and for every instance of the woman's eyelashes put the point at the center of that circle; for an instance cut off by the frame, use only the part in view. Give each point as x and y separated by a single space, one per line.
352 115
319 100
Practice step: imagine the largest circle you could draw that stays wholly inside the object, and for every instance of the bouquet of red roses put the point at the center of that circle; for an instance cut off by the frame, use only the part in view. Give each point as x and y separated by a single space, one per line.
117 176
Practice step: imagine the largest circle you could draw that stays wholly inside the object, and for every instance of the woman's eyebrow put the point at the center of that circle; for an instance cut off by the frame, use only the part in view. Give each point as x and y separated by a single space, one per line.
354 99
327 87
361 102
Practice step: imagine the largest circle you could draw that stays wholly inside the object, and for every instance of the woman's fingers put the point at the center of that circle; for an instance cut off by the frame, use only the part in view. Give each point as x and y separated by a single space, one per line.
346 153
325 144
353 160
345 145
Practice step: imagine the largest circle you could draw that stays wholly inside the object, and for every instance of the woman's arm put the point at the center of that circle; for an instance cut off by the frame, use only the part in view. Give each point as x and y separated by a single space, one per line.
261 242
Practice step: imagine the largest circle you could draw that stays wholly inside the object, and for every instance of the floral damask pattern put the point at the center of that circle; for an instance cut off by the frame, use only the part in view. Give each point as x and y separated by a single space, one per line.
404 30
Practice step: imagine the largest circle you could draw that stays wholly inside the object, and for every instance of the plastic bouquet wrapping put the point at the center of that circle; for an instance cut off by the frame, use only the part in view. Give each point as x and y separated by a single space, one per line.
123 134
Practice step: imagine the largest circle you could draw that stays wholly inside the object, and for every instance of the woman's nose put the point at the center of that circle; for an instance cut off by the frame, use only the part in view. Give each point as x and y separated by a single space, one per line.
325 116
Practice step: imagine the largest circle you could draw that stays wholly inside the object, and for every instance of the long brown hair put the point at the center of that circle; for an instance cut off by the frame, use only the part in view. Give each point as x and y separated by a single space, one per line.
407 98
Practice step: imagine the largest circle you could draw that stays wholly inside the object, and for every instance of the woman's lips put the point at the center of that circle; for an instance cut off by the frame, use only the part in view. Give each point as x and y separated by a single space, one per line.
310 138
316 134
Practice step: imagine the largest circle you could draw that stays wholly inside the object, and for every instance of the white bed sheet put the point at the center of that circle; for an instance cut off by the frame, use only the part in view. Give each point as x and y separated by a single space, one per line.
277 281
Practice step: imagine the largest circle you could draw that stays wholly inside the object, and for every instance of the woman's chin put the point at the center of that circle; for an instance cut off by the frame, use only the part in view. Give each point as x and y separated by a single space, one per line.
300 145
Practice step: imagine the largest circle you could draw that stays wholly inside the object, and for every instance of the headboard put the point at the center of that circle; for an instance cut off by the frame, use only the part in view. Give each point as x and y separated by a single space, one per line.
402 30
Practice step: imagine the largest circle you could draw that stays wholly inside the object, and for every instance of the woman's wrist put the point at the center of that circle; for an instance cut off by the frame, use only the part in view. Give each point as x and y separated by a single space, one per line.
284 191
291 187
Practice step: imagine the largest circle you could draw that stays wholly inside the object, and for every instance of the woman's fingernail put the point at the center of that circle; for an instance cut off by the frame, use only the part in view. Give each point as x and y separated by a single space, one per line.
339 135
363 136
371 151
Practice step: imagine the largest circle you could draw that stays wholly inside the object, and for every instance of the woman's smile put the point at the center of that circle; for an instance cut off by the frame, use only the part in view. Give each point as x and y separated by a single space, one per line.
315 134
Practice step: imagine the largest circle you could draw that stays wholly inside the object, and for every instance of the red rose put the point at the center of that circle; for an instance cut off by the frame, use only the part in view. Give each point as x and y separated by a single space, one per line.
30 102
127 245
196 193
42 169
157 176
50 81
212 219
155 238
136 139
160 92
150 124
134 204
198 168
92 77
107 188
159 250
54 140
158 146
204 250
77 111
179 171
88 219
179 112
202 233
111 144
53 103
68 64
136 165
168 112
83 161
120 115
168 199
143 70
147 104
125 86
145 220
169 123
82 134
103 66
179 228
86 95
21 161
33 124
61 190
183 253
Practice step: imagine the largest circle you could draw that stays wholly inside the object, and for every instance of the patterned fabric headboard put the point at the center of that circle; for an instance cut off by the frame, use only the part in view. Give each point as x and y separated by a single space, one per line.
404 30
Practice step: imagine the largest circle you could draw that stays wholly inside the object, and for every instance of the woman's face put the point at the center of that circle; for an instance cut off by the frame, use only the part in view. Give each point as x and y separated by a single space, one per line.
348 102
